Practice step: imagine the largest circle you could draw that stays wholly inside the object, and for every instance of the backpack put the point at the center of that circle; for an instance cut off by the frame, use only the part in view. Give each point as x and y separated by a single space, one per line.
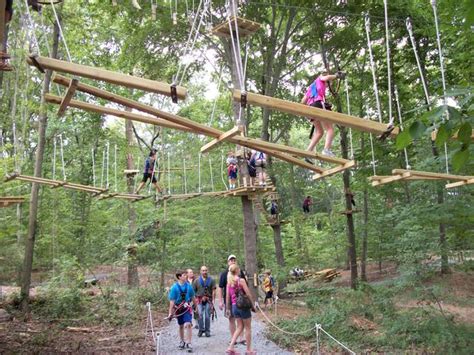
243 301
272 281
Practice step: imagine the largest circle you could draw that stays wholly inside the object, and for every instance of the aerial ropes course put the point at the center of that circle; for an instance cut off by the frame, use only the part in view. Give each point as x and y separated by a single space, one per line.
408 174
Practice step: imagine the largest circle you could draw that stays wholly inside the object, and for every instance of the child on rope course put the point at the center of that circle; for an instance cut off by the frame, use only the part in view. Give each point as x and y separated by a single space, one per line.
181 296
205 289
149 172
236 289
232 170
316 97
306 203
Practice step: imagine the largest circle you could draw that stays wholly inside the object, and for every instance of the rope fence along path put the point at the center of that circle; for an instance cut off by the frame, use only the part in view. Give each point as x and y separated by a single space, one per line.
317 328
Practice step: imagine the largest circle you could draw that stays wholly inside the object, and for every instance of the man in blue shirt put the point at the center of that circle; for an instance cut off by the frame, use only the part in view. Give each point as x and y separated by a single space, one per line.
181 296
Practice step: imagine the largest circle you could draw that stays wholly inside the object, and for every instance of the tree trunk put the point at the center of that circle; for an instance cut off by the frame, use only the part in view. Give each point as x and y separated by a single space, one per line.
33 212
132 268
365 236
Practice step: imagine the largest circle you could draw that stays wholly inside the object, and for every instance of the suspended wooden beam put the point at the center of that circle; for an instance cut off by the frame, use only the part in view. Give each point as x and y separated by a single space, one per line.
427 174
67 98
388 179
6 201
181 121
460 183
212 144
434 134
55 183
299 109
245 27
106 75
335 170
118 113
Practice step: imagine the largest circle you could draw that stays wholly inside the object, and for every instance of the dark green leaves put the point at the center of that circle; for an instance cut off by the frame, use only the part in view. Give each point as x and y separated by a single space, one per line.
404 139
460 157
464 133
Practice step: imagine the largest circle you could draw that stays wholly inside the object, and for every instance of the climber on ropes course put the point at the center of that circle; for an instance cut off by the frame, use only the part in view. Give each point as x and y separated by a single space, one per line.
149 172
316 97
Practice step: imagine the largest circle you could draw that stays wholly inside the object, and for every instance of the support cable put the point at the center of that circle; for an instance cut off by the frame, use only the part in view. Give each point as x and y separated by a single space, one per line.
223 172
372 67
399 111
107 165
212 176
443 78
93 167
62 156
389 69
61 30
349 113
115 167
199 171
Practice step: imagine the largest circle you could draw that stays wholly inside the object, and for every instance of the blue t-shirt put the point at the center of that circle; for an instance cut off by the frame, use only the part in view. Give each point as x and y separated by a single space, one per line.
177 289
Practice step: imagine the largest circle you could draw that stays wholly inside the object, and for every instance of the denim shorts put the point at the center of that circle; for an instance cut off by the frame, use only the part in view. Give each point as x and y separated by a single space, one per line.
241 313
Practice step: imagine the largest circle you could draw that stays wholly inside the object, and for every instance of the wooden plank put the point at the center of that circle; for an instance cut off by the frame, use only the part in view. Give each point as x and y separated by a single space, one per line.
67 98
118 113
62 183
388 179
108 76
212 144
180 121
335 170
245 27
454 136
433 175
299 109
460 183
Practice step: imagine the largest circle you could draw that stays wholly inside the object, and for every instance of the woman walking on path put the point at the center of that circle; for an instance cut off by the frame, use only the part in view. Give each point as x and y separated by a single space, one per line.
237 287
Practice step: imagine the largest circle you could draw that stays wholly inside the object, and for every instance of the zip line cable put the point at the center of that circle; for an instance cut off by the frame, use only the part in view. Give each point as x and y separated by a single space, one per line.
60 30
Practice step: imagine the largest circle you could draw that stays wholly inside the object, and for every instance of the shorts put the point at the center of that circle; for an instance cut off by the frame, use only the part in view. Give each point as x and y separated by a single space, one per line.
319 104
147 176
268 295
260 165
186 317
241 313
305 209
233 175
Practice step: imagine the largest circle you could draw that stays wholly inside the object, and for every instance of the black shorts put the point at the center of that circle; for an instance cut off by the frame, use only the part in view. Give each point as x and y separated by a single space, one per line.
319 104
147 176
268 295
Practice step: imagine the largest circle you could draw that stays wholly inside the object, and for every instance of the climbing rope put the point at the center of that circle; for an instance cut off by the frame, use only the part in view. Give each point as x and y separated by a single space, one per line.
399 111
232 11
223 172
389 70
32 33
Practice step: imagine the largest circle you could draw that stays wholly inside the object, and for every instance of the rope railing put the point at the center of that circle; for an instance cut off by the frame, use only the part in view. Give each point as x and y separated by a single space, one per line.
317 329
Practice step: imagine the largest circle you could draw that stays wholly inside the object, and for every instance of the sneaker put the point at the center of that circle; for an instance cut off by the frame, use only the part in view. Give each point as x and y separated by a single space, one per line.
189 348
208 334
309 161
328 152
200 333
182 345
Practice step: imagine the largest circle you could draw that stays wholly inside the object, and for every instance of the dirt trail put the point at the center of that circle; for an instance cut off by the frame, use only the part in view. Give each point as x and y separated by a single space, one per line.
217 343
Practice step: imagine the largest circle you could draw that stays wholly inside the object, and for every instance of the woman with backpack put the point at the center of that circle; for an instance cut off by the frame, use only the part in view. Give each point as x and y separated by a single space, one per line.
260 164
238 295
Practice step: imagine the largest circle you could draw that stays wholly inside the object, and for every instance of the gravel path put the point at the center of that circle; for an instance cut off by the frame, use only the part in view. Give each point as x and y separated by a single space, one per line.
217 343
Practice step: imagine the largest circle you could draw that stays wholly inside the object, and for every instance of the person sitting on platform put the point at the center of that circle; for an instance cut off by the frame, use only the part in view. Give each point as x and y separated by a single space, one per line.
149 172
316 97
274 210
232 170
261 164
